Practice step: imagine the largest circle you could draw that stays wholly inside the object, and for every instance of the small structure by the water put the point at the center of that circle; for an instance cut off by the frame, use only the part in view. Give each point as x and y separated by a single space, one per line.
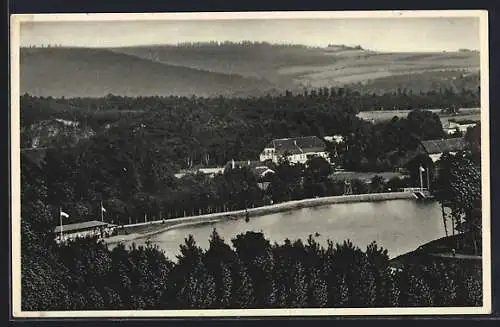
84 229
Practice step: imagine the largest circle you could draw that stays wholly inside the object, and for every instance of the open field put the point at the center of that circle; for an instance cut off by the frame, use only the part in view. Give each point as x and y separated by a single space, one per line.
384 115
235 70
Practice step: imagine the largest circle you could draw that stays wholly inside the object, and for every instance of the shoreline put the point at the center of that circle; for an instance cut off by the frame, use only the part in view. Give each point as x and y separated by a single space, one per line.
160 226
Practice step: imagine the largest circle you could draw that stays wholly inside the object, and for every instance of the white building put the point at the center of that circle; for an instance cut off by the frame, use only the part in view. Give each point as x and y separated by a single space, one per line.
451 127
210 172
297 150
334 138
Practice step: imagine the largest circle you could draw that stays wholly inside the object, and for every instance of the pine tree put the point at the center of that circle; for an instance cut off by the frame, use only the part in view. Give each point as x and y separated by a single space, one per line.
112 300
343 291
299 288
419 293
226 286
243 296
394 294
95 301
318 297
198 288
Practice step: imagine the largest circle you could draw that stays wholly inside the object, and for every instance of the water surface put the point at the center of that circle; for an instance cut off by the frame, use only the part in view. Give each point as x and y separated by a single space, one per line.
399 226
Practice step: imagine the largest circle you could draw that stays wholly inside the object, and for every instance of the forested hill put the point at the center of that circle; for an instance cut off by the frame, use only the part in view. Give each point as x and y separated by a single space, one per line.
77 72
237 70
211 131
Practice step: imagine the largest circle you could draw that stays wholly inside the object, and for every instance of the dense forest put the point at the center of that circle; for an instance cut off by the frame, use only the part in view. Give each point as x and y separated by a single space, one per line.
249 272
332 100
252 273
85 275
140 143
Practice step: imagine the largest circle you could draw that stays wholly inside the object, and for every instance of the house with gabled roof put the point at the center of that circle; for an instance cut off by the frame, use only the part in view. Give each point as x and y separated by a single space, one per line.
435 148
432 150
296 150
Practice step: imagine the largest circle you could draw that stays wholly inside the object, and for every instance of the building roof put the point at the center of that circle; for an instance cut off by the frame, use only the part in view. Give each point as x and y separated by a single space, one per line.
261 171
297 145
258 168
444 145
81 226
453 125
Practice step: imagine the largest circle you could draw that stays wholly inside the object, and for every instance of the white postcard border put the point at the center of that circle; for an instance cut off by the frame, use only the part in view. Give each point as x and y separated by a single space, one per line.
15 22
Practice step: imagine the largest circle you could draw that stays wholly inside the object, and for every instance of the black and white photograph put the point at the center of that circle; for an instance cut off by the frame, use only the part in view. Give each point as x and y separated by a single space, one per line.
250 164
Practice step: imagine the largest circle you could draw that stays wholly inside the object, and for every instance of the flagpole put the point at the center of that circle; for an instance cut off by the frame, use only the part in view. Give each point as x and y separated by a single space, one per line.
421 184
428 180
102 213
60 222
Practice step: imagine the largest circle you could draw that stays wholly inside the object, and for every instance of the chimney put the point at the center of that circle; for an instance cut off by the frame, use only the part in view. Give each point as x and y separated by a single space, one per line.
233 164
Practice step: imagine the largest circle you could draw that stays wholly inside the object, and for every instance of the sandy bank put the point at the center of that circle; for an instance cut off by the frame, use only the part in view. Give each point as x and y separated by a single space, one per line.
147 229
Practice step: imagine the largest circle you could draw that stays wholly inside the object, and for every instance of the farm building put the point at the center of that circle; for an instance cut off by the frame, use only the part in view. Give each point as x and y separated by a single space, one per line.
435 148
429 152
297 150
451 127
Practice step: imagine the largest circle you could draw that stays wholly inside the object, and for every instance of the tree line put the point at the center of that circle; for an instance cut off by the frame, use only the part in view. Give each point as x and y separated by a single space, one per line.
334 99
252 273
130 164
247 272
210 132
136 195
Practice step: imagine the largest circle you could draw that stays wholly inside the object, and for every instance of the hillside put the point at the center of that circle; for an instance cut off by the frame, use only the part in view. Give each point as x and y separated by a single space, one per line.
79 72
318 67
237 69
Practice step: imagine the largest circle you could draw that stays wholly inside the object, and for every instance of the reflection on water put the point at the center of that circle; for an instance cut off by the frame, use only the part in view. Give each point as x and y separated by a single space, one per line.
398 225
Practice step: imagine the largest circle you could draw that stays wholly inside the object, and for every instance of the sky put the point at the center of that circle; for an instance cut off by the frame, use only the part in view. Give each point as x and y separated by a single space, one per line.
379 34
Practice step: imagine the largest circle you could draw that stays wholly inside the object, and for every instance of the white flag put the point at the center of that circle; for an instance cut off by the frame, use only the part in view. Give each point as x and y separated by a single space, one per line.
422 168
64 214
102 209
